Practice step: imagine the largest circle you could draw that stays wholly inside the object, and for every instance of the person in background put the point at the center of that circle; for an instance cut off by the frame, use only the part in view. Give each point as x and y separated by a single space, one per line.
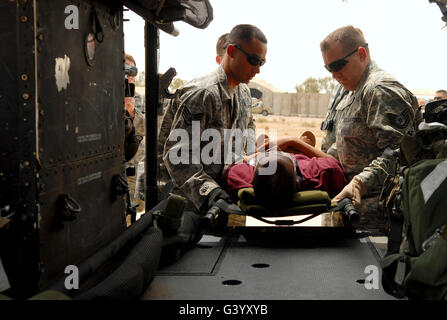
440 94
135 109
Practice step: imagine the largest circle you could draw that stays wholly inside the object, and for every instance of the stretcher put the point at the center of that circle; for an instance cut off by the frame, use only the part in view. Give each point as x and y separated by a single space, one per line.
306 205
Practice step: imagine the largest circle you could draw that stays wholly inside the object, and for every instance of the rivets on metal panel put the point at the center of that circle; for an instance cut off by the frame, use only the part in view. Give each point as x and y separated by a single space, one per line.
25 96
24 77
24 18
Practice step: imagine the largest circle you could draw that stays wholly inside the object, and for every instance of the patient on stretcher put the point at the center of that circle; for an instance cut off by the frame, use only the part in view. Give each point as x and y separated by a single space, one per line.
297 166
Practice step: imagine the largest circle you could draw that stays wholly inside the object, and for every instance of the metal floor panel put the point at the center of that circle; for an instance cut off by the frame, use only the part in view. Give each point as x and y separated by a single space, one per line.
327 272
200 261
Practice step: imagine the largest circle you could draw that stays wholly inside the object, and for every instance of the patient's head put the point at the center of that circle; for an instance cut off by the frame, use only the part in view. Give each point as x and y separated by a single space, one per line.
275 189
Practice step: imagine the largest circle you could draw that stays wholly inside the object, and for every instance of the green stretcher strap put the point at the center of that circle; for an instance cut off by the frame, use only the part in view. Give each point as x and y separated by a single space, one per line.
303 202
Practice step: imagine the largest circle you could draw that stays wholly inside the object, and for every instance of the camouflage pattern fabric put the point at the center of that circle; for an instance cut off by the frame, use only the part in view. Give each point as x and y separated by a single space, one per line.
163 133
139 124
328 144
245 121
170 110
210 103
375 116
371 121
372 219
374 175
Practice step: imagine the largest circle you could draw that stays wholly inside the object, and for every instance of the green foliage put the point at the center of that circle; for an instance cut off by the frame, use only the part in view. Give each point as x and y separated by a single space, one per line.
176 83
316 85
140 79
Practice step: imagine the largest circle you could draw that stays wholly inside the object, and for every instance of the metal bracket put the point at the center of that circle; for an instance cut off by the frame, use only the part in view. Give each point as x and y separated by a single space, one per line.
165 81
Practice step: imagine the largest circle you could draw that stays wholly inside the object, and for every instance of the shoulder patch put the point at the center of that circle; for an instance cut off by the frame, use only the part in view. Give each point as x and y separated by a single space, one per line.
399 121
188 117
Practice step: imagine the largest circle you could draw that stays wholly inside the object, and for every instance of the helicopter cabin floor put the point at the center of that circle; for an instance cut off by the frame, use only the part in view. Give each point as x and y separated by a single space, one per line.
298 263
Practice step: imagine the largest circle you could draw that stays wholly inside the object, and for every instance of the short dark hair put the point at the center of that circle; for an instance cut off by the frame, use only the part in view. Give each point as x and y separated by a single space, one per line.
443 92
349 37
221 43
244 33
277 189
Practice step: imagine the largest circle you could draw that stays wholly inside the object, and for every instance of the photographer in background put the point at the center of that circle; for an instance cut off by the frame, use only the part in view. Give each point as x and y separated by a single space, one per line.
134 129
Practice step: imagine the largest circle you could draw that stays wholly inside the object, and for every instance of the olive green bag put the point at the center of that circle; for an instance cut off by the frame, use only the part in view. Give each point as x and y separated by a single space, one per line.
415 265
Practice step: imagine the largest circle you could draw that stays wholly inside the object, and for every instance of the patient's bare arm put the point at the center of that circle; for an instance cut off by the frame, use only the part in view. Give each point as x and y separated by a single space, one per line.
294 145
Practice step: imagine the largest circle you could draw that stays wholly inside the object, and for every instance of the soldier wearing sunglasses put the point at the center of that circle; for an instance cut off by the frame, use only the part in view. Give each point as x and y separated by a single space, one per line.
245 121
209 102
375 114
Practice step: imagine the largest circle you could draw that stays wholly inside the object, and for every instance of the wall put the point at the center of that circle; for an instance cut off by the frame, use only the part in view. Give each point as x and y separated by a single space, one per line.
294 104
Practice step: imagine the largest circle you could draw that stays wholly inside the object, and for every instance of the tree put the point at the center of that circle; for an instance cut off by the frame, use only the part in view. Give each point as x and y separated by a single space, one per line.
328 84
310 85
176 83
140 80
316 85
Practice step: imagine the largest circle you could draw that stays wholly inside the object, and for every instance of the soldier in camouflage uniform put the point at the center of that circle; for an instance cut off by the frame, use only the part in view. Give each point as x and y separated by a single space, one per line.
245 121
135 108
209 102
376 113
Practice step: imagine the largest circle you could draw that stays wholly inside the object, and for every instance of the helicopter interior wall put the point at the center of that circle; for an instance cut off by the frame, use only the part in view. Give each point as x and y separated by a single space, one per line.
81 131
18 241
9 96
101 219
63 106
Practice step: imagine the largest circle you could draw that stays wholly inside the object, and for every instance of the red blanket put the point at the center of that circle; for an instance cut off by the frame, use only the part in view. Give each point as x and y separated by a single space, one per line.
316 174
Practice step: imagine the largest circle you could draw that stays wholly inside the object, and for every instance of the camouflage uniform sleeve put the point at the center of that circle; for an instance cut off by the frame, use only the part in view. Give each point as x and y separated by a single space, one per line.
188 173
251 126
374 175
390 113
251 138
332 151
165 129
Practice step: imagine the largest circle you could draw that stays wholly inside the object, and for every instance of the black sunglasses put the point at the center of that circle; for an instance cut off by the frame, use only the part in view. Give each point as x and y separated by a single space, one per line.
339 64
252 58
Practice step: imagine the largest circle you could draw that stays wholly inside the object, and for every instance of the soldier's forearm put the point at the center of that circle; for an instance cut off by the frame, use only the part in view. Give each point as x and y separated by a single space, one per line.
374 175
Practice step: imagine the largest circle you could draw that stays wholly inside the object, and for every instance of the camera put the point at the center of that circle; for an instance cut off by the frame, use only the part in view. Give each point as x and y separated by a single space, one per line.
130 71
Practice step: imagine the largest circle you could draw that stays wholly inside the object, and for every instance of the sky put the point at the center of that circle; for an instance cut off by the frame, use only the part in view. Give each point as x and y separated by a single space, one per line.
407 38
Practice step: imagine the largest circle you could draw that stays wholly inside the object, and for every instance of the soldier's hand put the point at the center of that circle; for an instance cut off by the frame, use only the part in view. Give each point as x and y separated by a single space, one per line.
354 190
216 194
